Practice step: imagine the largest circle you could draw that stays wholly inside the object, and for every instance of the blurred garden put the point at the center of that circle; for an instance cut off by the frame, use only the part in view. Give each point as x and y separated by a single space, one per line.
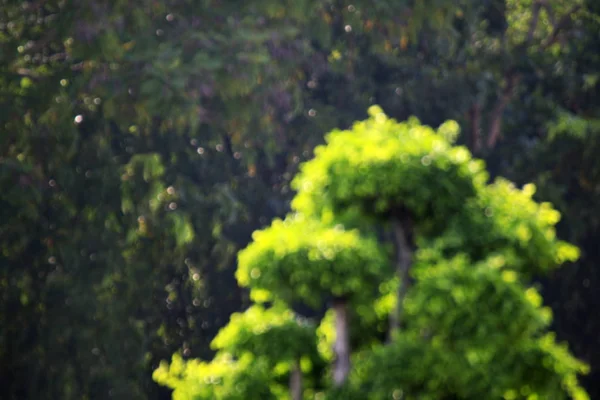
299 200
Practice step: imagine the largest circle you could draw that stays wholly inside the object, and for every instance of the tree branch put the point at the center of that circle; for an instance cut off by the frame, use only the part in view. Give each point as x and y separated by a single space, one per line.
25 72
535 16
512 78
475 119
560 26
550 13
495 130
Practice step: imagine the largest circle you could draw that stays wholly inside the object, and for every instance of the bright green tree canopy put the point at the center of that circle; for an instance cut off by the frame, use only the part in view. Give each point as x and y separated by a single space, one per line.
384 167
473 328
275 333
504 221
299 259
224 378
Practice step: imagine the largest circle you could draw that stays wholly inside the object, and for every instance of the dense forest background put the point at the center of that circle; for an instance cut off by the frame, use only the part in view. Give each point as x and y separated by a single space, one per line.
142 142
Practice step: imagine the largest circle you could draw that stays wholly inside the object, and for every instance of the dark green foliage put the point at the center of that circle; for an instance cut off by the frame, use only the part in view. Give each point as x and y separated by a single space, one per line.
123 204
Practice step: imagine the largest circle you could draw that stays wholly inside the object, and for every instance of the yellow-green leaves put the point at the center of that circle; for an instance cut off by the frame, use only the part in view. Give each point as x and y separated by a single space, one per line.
472 326
381 165
470 331
275 333
224 378
505 222
449 130
474 305
301 259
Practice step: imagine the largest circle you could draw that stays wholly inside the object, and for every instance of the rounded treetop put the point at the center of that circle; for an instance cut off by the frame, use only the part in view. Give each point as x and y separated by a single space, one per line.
386 167
506 224
275 333
300 259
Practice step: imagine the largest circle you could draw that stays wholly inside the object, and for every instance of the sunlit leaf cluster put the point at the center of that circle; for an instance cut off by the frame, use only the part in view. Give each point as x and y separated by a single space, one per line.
275 334
383 167
420 369
224 378
473 326
299 259
506 222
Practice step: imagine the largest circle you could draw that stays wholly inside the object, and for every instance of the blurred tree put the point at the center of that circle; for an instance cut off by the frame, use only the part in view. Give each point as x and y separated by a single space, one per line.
511 73
472 326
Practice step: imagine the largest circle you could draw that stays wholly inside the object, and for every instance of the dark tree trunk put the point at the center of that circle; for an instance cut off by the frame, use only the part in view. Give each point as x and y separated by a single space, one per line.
475 118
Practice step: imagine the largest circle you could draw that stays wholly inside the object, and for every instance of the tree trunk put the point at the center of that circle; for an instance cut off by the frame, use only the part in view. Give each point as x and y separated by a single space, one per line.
403 263
495 129
475 117
341 347
296 382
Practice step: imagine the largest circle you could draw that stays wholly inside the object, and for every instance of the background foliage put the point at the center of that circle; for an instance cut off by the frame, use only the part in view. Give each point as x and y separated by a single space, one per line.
142 142
474 327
